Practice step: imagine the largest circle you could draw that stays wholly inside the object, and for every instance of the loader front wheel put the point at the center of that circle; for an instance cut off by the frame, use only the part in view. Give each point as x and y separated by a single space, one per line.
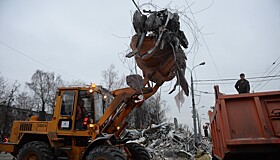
105 152
137 152
35 151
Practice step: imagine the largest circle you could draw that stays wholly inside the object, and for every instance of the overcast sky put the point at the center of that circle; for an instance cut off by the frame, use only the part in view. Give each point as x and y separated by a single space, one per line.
79 39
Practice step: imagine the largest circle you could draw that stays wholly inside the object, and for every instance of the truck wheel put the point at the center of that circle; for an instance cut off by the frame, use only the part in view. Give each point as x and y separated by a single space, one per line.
35 151
105 152
137 152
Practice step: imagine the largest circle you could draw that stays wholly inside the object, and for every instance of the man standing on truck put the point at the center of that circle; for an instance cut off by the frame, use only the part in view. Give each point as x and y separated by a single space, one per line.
242 85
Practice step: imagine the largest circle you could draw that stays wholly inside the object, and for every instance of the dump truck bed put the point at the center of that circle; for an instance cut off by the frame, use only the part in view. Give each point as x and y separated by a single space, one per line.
246 126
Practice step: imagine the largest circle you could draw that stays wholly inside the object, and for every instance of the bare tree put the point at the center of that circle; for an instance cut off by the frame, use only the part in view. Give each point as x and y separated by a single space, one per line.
8 97
153 111
111 79
74 83
24 101
44 85
3 86
157 109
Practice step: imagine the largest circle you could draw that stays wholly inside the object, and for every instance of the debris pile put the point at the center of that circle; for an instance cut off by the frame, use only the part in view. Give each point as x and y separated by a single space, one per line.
164 142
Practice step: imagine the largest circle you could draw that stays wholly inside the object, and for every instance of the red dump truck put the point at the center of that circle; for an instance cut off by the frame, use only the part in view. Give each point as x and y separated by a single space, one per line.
246 126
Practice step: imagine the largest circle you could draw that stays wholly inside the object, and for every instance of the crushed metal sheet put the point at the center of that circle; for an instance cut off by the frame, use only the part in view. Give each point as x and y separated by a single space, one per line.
165 143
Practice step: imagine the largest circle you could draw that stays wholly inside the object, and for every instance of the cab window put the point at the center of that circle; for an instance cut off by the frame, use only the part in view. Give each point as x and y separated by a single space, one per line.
67 104
98 104
87 98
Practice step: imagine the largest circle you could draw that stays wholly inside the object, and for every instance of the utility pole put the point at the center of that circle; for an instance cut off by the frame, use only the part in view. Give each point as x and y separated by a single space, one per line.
199 122
194 112
193 104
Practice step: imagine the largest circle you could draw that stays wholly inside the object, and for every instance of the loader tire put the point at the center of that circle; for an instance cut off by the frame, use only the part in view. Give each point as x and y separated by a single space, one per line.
137 151
35 151
105 152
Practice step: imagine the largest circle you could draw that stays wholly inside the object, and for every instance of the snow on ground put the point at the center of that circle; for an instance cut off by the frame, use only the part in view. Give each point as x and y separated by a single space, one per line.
5 156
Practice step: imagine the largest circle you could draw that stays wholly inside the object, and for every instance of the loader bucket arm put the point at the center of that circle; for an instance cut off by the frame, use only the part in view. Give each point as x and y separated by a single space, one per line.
125 100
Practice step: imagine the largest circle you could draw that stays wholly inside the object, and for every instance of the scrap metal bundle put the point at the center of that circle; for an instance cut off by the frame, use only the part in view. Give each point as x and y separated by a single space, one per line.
157 47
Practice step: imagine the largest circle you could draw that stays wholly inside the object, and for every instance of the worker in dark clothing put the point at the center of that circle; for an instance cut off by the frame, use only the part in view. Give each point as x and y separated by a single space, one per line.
242 85
205 129
80 115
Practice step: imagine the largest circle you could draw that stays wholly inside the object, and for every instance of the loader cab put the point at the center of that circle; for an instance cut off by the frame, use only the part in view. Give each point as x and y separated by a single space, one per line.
95 104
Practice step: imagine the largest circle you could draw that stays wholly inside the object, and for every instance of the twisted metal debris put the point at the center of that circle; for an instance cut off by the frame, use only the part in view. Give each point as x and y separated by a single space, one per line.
164 142
157 47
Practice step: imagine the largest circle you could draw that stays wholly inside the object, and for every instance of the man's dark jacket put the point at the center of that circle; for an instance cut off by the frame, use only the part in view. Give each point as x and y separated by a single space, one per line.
242 86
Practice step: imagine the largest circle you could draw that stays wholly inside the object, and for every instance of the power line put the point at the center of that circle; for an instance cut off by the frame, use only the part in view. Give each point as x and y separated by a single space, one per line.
259 83
268 81
205 92
208 50
35 60
234 79
270 73
225 83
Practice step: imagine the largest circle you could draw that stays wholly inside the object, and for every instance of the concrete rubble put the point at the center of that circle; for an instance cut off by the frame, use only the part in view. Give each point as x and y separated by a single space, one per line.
165 143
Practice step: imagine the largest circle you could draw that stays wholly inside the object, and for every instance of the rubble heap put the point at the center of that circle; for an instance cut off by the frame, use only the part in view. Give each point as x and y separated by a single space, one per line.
165 143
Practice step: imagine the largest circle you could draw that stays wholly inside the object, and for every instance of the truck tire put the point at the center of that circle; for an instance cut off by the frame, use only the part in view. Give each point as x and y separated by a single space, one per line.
105 152
137 152
35 151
